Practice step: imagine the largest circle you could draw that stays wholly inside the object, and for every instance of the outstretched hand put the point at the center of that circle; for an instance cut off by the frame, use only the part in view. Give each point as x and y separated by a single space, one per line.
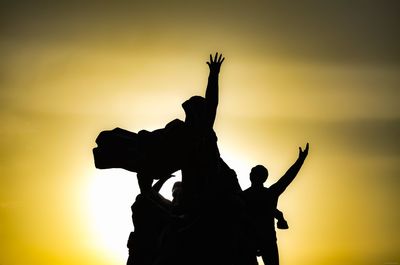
167 177
215 64
303 153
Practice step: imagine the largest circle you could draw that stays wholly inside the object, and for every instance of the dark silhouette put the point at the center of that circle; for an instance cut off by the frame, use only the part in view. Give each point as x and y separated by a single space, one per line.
201 155
210 220
261 204
200 166
282 223
171 148
140 152
150 215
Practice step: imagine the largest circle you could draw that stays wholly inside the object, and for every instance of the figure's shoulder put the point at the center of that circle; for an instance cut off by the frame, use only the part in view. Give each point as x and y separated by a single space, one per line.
273 191
137 201
273 187
257 191
266 190
247 192
177 123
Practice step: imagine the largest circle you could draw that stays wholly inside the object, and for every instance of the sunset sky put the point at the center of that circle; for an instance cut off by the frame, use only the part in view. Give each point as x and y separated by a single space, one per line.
323 72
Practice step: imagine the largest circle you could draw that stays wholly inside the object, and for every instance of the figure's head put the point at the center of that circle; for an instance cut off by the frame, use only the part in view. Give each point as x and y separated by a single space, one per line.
258 175
176 189
194 109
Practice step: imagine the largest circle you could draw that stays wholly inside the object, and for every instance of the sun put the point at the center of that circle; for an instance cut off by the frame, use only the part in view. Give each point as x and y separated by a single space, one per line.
110 195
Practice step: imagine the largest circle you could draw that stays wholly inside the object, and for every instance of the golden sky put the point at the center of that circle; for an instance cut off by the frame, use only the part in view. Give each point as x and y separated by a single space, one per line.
306 71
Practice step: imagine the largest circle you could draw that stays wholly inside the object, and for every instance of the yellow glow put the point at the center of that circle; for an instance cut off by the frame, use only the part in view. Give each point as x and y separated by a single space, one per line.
293 73
109 197
110 194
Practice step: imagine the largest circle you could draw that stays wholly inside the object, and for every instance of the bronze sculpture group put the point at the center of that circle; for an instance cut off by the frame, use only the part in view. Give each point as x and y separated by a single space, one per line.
210 220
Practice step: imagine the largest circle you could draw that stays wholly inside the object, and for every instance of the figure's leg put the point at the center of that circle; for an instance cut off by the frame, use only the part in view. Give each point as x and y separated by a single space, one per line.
270 255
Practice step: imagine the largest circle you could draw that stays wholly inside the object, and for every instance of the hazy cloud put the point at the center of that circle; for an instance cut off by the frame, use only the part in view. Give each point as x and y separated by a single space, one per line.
339 31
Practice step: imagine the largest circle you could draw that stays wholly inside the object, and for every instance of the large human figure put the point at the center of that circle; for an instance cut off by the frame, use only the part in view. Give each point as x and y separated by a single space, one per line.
200 171
208 197
188 145
200 151
150 215
261 203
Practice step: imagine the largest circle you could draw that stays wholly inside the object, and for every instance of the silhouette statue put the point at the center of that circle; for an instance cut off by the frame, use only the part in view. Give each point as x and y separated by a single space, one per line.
200 166
150 215
210 220
139 152
261 205
171 148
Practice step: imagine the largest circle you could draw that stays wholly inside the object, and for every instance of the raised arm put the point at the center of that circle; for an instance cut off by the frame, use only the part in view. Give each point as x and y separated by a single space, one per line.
157 186
280 186
212 87
152 192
